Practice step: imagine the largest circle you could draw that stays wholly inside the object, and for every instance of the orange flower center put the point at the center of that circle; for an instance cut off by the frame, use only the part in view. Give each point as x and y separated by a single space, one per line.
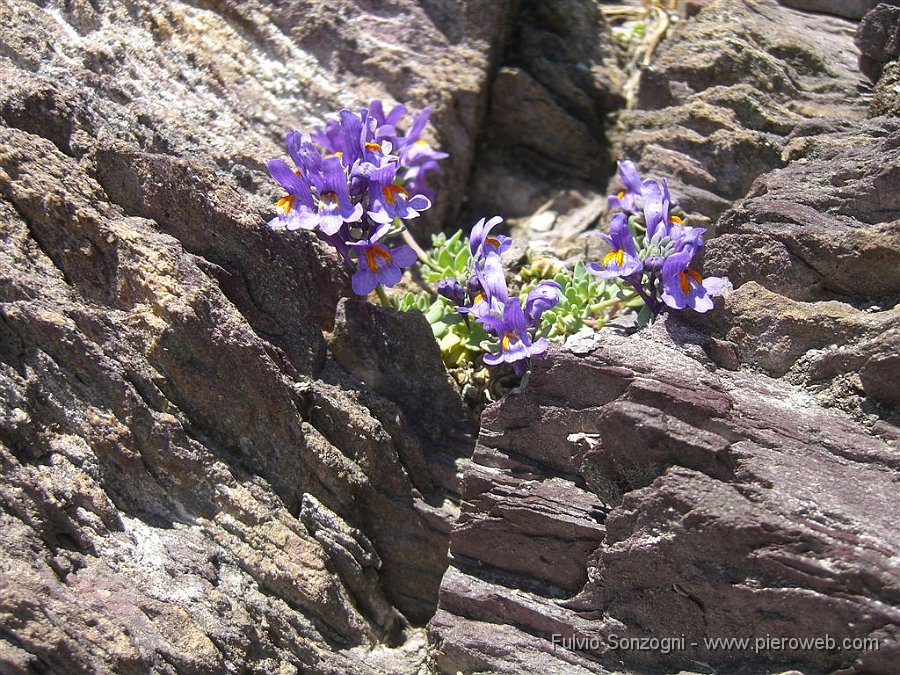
374 253
678 220
509 338
285 204
685 278
391 192
621 194
373 146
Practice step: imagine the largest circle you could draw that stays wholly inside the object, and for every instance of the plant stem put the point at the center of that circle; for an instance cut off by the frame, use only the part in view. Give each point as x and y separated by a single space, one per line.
597 306
420 252
385 300
654 308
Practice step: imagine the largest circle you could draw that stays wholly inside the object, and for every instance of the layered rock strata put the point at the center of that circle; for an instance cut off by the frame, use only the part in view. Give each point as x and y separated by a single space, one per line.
636 491
191 483
727 475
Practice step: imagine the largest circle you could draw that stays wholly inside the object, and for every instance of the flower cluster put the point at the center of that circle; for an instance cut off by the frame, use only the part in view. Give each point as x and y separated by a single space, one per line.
484 297
652 247
353 183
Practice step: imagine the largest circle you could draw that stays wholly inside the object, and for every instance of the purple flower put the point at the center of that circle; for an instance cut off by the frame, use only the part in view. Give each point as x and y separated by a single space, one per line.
622 260
482 243
657 201
452 290
390 200
542 297
487 304
515 345
304 153
420 153
625 199
656 208
352 137
421 160
672 201
296 209
384 127
343 137
493 279
329 136
378 264
333 205
686 238
684 287
375 155
415 131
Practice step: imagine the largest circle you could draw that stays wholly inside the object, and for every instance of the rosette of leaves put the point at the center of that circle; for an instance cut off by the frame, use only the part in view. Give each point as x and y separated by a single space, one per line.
586 300
459 340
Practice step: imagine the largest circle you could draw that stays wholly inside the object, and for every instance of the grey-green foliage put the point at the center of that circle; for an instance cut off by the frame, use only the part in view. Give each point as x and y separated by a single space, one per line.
450 257
460 341
585 300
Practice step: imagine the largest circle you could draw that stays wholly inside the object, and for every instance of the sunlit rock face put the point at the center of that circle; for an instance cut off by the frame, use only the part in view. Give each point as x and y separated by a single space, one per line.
724 474
214 460
191 483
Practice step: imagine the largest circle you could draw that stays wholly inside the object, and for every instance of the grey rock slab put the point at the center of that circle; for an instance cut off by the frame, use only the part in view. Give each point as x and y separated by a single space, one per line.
169 408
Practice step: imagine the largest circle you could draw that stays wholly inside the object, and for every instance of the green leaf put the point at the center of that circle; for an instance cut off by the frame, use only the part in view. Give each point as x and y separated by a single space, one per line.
454 318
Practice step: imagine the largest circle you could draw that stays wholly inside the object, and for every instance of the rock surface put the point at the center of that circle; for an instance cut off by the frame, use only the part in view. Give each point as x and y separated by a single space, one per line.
720 102
548 103
212 462
723 475
850 9
878 38
634 490
787 139
190 482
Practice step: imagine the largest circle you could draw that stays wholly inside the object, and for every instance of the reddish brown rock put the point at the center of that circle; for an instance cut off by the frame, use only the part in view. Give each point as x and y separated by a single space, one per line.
835 217
851 9
878 38
687 501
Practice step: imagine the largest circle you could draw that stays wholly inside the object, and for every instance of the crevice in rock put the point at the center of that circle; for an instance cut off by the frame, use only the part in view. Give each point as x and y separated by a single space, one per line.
550 90
42 244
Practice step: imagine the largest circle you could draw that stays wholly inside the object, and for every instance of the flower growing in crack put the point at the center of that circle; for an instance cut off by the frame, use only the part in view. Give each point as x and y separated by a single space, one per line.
622 260
625 199
354 181
379 264
483 244
684 287
652 248
515 345
484 298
